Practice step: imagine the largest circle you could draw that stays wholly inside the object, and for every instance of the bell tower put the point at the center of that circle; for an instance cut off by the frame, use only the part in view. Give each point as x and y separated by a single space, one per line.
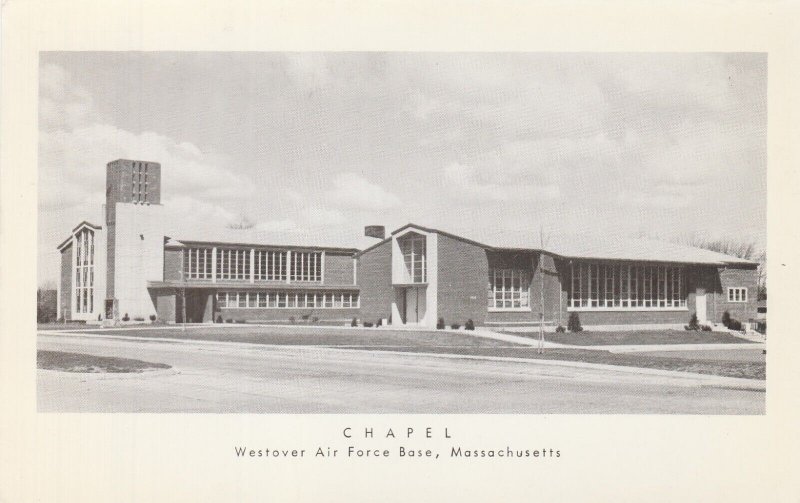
132 215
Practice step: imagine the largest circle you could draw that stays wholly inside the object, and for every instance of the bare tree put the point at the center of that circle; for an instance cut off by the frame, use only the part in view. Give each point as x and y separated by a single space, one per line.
242 223
741 249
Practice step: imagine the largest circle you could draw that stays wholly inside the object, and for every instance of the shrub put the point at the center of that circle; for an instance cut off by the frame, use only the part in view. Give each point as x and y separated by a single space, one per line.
469 325
305 317
693 323
379 322
152 317
440 324
99 317
574 323
455 326
726 319
705 328
367 324
229 320
315 319
735 325
126 318
240 321
219 318
292 319
560 329
139 318
354 323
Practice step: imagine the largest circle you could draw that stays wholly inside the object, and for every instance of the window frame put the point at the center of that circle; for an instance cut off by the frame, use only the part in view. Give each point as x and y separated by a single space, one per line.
634 286
509 290
738 291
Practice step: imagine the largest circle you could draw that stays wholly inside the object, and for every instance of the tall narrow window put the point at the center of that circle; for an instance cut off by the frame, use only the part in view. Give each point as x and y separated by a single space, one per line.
412 247
84 271
306 266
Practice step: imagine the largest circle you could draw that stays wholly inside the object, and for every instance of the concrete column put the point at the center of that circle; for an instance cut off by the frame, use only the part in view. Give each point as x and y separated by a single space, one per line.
322 268
288 266
252 265
214 264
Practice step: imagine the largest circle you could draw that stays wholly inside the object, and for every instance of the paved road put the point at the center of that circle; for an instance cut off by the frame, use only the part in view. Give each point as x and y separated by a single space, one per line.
212 377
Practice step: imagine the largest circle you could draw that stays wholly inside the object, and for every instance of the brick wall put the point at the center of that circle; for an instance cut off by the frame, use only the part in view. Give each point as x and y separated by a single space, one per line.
714 281
546 289
338 269
66 283
329 315
375 281
633 317
463 273
741 276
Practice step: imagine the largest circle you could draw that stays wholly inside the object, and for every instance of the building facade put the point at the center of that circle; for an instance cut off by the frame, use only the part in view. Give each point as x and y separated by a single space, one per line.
129 268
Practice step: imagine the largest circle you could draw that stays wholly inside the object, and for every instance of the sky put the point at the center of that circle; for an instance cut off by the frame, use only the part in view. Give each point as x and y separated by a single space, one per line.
321 144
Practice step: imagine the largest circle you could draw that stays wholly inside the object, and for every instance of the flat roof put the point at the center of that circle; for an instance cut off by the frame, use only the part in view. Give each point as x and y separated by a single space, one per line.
246 285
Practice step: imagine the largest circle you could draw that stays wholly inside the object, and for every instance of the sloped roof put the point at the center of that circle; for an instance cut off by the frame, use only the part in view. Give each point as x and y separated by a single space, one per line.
251 237
595 247
68 240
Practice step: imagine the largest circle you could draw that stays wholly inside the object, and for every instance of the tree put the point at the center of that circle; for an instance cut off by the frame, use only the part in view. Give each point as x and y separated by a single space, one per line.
46 302
242 223
737 248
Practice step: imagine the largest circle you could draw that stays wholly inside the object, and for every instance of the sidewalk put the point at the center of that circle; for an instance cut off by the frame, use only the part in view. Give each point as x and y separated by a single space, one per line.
622 348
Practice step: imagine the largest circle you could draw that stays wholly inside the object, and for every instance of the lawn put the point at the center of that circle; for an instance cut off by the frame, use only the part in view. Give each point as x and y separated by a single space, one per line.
437 342
587 338
311 336
79 362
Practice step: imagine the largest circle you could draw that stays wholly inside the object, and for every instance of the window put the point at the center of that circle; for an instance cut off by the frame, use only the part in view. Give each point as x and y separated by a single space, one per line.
623 286
197 263
508 289
737 294
306 266
267 300
270 265
412 248
233 264
84 271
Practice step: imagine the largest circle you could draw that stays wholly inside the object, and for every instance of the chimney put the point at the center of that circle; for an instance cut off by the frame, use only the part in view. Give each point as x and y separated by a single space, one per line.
375 231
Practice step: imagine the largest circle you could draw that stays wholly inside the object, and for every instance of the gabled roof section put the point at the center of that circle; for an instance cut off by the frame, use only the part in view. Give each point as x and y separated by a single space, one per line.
591 247
78 227
444 233
86 224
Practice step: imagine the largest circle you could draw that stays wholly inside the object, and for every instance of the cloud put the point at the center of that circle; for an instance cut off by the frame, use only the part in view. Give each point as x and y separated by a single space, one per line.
74 148
353 191
657 198
309 70
469 185
422 106
282 225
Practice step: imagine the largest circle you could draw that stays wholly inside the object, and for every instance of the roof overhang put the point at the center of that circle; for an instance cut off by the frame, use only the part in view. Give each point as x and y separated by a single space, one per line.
184 243
232 285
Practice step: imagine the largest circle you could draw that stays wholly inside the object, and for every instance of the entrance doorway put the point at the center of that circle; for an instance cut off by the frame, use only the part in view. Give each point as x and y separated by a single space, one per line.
413 308
196 301
700 305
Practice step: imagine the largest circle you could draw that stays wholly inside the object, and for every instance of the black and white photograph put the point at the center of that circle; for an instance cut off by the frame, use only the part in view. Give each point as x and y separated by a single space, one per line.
402 232
399 251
